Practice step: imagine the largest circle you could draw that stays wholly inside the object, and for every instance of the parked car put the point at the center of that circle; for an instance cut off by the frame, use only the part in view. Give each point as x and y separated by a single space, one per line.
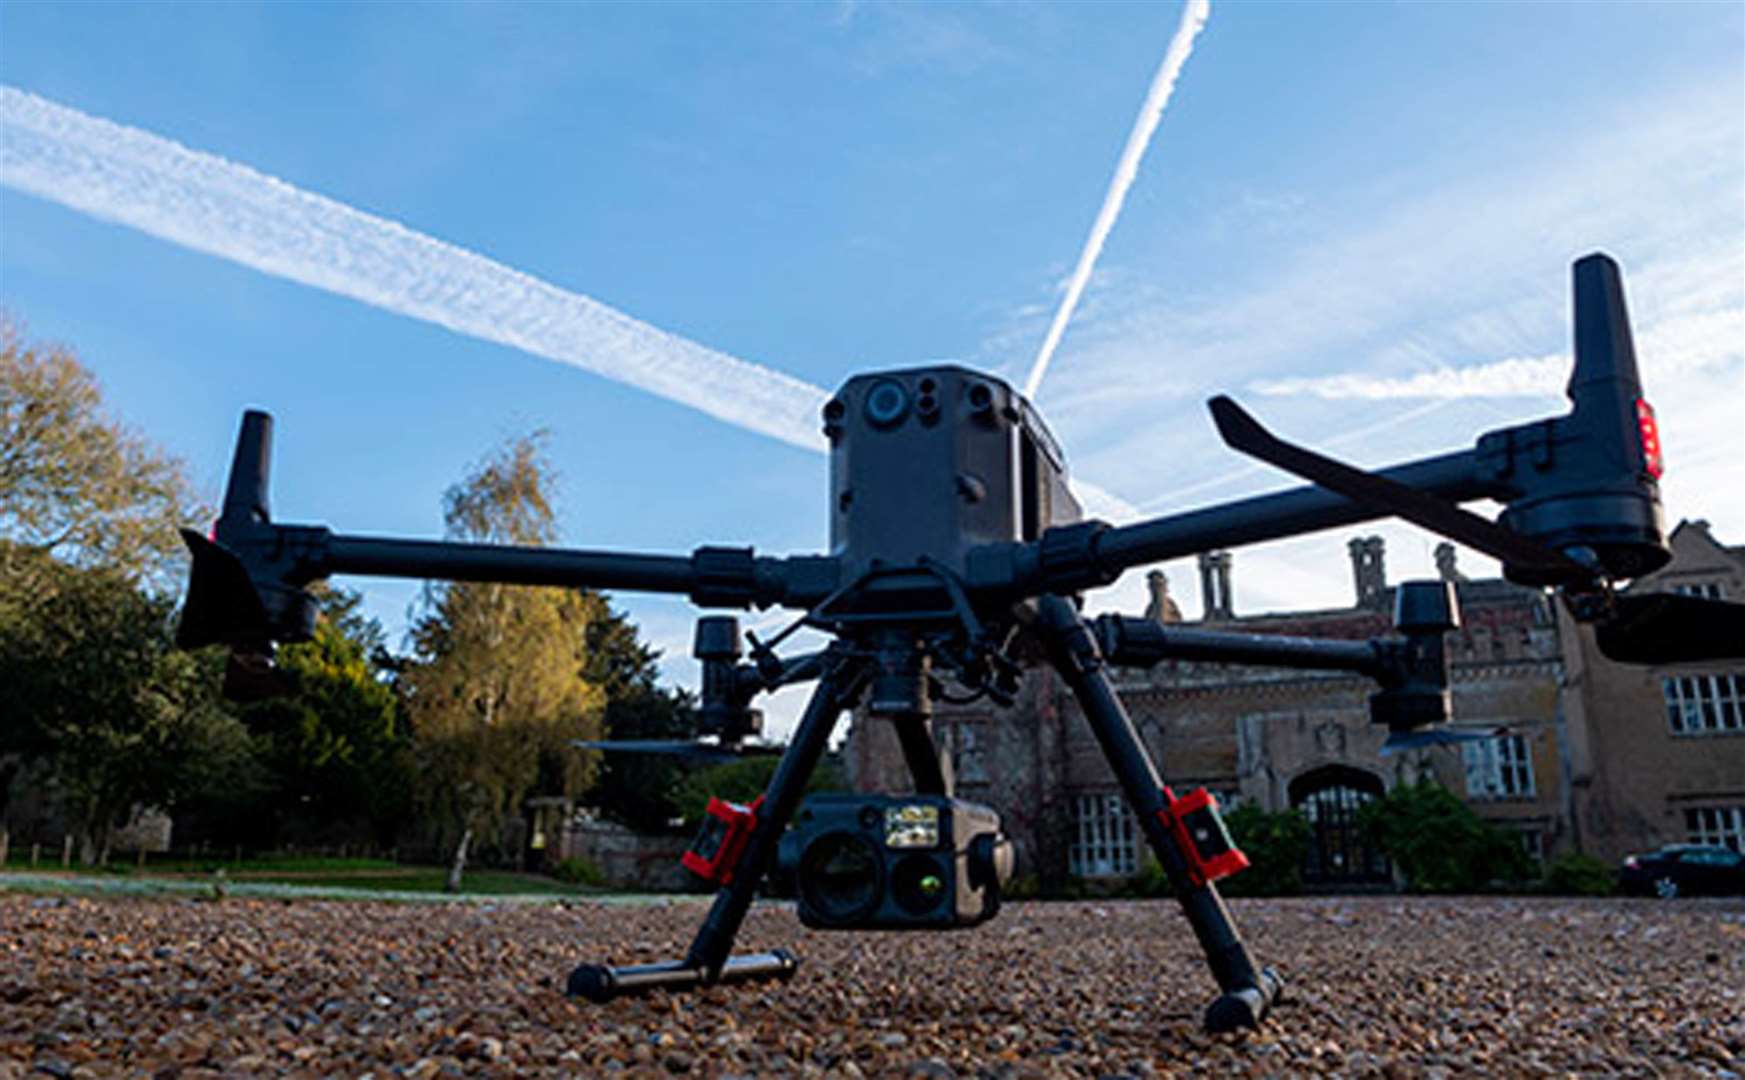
1683 870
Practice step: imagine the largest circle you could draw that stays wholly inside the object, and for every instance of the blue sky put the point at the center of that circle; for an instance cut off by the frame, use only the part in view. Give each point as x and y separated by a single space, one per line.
1351 217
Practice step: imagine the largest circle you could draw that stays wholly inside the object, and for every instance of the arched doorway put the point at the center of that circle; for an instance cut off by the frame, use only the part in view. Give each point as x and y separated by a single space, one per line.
1339 854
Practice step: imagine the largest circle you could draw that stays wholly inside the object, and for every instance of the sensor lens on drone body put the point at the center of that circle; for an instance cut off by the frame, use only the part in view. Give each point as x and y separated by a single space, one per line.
886 403
841 877
918 883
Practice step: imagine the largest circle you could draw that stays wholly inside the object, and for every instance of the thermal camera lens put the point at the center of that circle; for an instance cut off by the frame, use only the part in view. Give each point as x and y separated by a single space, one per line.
840 877
918 883
886 403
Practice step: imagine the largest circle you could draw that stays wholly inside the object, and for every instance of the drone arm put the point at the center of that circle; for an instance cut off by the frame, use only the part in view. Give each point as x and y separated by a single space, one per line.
509 565
1131 642
1071 558
1306 509
713 577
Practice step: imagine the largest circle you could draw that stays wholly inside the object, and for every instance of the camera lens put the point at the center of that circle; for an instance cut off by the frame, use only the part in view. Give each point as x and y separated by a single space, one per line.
918 883
840 878
886 403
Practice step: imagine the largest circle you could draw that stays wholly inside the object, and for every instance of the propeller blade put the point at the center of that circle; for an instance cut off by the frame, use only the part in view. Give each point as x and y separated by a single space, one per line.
679 748
1398 741
223 606
1667 628
1526 560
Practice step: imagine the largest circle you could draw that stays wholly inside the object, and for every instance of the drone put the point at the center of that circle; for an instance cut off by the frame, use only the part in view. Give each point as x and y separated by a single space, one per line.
957 556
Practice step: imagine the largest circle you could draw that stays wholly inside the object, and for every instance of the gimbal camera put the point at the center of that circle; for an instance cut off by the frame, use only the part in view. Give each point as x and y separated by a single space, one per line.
953 534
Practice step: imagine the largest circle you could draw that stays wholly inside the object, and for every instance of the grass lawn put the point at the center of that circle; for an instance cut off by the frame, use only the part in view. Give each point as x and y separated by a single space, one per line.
428 879
378 875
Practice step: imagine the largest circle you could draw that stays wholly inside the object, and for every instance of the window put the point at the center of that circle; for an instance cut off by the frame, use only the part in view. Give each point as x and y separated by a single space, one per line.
1105 841
1533 843
1723 826
1499 768
968 763
1708 590
1709 856
1702 704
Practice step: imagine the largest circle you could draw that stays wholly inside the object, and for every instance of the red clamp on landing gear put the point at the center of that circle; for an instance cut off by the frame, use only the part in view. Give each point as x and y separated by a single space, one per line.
721 840
1201 837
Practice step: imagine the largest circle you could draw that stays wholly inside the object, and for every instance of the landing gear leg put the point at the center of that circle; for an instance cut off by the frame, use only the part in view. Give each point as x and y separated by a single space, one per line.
709 961
1248 994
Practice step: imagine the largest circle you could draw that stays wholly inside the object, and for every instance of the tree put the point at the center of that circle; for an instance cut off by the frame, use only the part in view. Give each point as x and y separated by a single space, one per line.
743 781
1439 843
94 690
636 789
333 751
1275 844
74 482
499 692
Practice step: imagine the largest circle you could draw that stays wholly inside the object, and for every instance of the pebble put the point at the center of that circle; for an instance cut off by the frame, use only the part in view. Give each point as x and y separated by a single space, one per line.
1379 986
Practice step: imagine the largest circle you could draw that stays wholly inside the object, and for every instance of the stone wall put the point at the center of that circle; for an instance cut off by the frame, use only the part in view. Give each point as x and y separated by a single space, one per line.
629 859
1635 777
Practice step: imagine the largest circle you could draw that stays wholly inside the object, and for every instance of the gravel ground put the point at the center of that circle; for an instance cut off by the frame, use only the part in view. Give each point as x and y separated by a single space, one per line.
1387 986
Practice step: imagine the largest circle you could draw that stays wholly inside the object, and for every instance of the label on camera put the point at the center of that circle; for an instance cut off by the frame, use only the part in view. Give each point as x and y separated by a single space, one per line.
912 826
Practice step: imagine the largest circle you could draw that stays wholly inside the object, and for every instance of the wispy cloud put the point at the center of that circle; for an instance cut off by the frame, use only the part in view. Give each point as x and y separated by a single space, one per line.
204 202
1465 274
904 36
1181 46
1448 289
1693 340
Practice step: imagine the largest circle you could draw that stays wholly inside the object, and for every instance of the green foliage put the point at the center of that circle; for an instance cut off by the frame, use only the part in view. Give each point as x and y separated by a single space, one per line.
1275 843
741 782
94 689
635 789
579 872
1151 882
74 482
1440 844
498 691
334 751
1579 875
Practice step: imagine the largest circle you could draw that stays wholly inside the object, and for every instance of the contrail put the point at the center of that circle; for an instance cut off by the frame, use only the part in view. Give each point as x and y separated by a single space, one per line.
1174 498
222 208
219 207
1667 349
1193 19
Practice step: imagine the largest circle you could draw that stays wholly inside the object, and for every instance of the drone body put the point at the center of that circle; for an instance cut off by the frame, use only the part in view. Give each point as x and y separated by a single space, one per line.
933 462
953 533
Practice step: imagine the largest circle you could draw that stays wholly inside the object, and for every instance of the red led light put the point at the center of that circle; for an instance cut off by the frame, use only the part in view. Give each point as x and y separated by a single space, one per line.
1650 438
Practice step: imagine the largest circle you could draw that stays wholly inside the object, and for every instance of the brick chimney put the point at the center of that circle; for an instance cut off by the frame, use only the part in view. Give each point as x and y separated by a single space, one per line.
1369 572
1445 568
1215 585
1163 608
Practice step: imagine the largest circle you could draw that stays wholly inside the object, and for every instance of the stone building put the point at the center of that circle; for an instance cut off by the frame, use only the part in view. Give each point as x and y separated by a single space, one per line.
1660 752
1567 722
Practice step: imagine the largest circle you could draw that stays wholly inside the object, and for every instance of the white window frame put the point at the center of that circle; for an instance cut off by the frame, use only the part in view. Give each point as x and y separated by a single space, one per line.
1706 590
1723 826
1500 767
1105 837
1704 704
